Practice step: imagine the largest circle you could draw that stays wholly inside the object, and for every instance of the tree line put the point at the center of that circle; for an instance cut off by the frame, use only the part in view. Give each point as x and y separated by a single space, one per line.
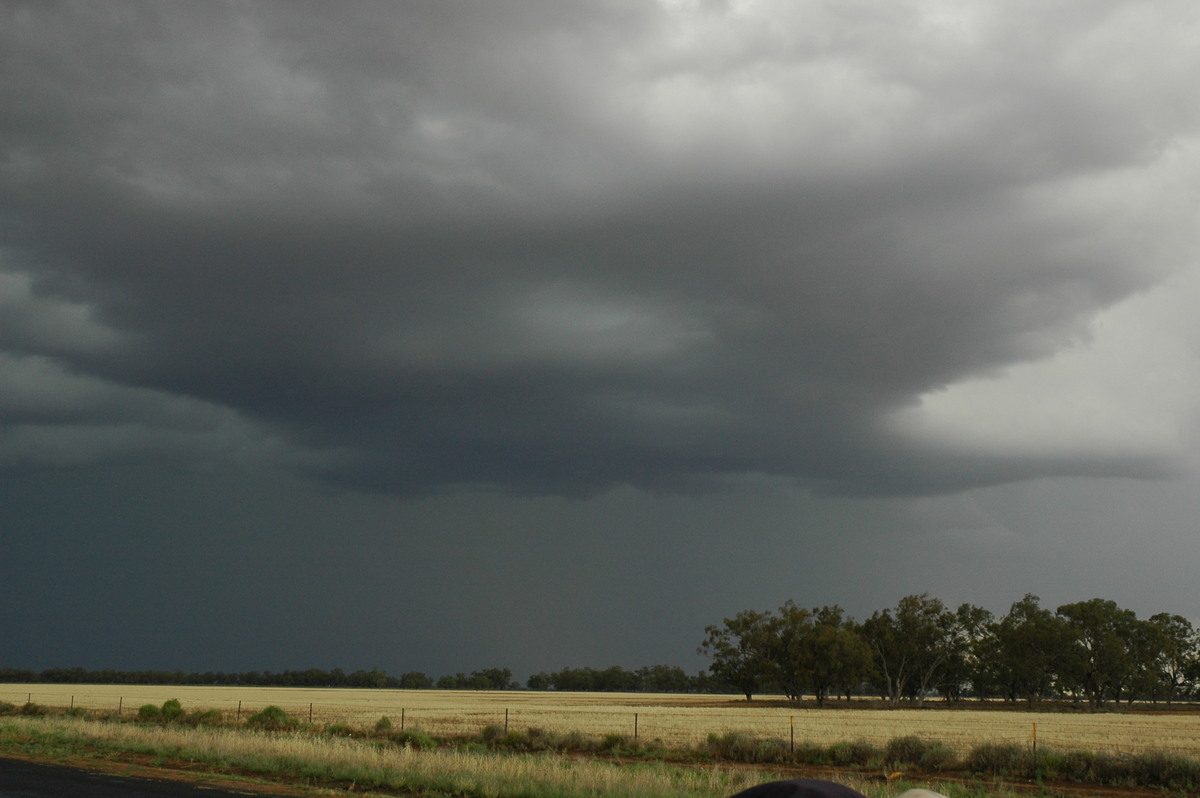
655 678
488 679
1091 651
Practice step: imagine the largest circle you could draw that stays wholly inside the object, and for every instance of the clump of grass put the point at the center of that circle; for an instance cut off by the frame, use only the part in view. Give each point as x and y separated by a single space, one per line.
1001 759
383 726
205 717
858 753
741 747
149 713
415 739
272 718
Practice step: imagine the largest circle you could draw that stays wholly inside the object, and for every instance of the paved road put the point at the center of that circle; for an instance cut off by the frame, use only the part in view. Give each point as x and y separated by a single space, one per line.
19 779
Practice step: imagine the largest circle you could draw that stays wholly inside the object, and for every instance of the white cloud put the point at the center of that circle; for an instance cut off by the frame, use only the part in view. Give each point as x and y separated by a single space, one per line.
1131 391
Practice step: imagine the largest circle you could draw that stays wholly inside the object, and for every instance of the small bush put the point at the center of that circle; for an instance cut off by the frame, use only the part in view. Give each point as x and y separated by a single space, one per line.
77 712
340 730
575 741
1168 771
740 747
149 712
272 718
858 753
808 753
383 725
31 708
901 751
937 756
172 710
492 732
205 717
538 739
615 742
1078 766
415 739
1001 759
7 708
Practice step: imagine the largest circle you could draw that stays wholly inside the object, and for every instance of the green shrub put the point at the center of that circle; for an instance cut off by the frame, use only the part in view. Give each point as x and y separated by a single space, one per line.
340 730
1167 771
31 708
149 712
901 751
740 747
492 732
272 718
1002 759
383 725
858 753
575 741
77 712
415 738
809 753
1078 766
615 742
7 708
205 717
172 710
937 756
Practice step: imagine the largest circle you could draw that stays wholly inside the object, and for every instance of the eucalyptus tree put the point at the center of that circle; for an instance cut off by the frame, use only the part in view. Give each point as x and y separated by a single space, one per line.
844 658
1165 651
910 646
965 632
1099 660
1026 650
740 649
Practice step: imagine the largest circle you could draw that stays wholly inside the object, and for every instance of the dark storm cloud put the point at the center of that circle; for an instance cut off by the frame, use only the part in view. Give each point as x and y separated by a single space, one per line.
560 248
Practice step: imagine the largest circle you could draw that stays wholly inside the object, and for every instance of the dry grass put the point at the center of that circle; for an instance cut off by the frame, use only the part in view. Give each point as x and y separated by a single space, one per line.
678 721
323 759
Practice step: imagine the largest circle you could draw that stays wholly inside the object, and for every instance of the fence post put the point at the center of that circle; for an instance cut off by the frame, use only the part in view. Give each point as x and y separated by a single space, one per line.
1035 739
402 719
635 727
120 704
310 712
239 712
792 724
506 720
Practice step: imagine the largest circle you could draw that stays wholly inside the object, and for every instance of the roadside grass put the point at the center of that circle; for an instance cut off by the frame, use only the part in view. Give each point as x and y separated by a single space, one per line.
301 756
538 763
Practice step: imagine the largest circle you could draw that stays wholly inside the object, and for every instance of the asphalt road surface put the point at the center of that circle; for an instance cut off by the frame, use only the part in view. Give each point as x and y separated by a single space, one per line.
19 779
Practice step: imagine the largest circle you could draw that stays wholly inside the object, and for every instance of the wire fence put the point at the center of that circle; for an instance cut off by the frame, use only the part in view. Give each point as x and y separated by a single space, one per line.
682 726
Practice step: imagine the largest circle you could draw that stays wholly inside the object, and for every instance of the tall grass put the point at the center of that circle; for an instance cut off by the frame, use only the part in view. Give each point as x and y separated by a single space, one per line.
306 757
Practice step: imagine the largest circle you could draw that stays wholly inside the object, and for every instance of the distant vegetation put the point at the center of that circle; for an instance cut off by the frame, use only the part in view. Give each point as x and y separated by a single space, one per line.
1089 651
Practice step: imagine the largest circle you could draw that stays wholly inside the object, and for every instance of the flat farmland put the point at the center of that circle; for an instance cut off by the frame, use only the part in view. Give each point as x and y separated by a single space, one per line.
676 720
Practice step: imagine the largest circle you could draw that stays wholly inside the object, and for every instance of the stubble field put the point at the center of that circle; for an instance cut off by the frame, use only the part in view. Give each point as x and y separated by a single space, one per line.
675 720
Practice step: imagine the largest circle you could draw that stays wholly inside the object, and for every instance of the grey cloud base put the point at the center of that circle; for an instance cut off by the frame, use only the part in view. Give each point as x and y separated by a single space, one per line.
535 260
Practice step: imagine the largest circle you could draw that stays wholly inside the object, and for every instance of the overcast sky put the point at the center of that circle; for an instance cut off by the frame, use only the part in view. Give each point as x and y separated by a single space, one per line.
451 335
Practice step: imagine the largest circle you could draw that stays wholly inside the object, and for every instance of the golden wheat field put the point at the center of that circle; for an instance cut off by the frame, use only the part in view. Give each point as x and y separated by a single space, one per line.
676 720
